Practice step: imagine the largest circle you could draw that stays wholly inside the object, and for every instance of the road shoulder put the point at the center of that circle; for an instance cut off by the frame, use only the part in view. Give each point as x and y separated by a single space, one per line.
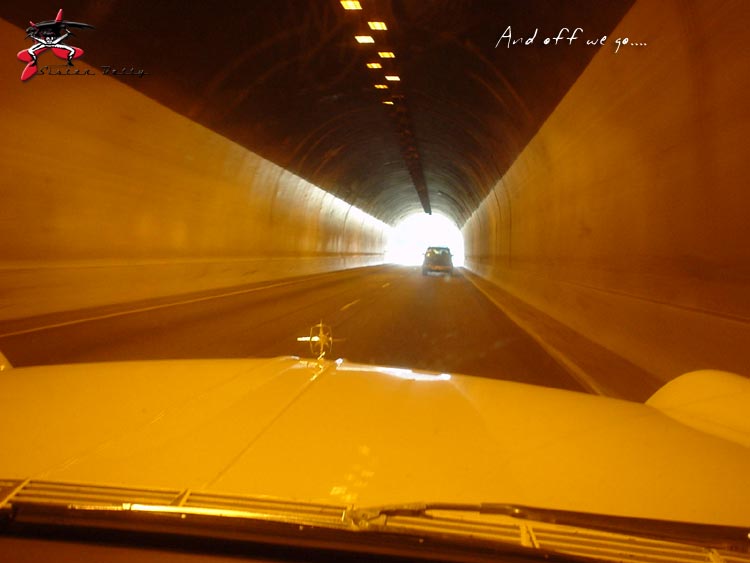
595 367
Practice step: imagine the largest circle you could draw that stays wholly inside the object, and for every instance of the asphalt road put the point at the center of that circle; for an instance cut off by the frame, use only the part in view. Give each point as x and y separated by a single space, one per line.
386 315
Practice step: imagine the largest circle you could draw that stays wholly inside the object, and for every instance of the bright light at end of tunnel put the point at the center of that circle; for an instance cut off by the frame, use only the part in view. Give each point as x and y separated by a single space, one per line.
410 238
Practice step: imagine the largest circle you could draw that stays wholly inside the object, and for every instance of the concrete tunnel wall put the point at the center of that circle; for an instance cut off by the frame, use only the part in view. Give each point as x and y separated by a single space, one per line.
626 217
109 197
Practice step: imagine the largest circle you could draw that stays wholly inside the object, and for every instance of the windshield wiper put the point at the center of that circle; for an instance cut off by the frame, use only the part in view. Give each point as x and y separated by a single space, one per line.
426 529
199 521
477 520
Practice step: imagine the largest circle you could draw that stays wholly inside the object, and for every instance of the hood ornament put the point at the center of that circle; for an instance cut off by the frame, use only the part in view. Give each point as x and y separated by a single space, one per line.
320 339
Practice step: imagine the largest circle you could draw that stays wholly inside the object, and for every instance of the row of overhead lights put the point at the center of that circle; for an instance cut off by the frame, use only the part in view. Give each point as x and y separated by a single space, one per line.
400 112
363 39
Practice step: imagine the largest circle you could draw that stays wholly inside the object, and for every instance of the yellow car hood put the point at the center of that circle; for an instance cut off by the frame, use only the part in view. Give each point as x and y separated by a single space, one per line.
365 435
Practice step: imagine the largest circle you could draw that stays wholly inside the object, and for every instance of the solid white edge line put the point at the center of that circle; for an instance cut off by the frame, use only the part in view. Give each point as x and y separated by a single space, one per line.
144 309
578 373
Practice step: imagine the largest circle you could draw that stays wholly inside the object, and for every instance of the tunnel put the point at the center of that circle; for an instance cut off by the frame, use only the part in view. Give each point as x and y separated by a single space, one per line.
593 156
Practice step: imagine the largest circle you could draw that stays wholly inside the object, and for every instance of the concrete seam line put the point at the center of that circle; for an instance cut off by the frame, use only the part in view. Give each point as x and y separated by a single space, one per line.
622 294
93 264
151 308
576 371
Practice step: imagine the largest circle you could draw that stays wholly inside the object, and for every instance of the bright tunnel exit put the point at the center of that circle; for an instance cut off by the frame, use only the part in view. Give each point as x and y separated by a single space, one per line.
411 237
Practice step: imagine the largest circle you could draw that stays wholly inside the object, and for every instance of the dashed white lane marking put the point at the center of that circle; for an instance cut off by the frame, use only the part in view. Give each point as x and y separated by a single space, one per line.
345 307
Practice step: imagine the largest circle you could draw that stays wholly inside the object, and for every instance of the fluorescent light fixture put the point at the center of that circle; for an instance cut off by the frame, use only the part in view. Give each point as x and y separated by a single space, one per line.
381 86
374 65
386 55
392 78
377 25
351 5
388 103
364 39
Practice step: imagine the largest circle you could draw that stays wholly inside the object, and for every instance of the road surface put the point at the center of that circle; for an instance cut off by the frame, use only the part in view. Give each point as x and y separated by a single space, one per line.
388 315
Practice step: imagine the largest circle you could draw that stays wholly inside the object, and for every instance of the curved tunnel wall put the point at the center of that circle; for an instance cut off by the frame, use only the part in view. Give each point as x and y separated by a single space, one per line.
626 217
109 197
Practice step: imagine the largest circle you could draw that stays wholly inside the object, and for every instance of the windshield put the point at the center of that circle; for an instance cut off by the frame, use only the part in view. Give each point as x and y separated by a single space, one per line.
194 197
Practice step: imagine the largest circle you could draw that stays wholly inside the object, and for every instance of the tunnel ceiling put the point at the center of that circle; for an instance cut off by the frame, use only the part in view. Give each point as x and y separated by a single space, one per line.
286 79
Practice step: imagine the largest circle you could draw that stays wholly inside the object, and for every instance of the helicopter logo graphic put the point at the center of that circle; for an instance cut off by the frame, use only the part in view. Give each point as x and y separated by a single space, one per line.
50 35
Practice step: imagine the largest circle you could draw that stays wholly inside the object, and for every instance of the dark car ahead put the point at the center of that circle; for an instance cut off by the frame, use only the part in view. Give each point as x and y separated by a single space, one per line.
437 259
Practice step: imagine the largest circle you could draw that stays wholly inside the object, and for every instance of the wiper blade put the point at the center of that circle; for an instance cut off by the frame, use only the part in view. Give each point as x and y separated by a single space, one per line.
173 519
710 536
460 529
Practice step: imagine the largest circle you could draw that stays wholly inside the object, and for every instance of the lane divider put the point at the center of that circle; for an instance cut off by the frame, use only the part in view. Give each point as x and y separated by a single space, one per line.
345 307
580 375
